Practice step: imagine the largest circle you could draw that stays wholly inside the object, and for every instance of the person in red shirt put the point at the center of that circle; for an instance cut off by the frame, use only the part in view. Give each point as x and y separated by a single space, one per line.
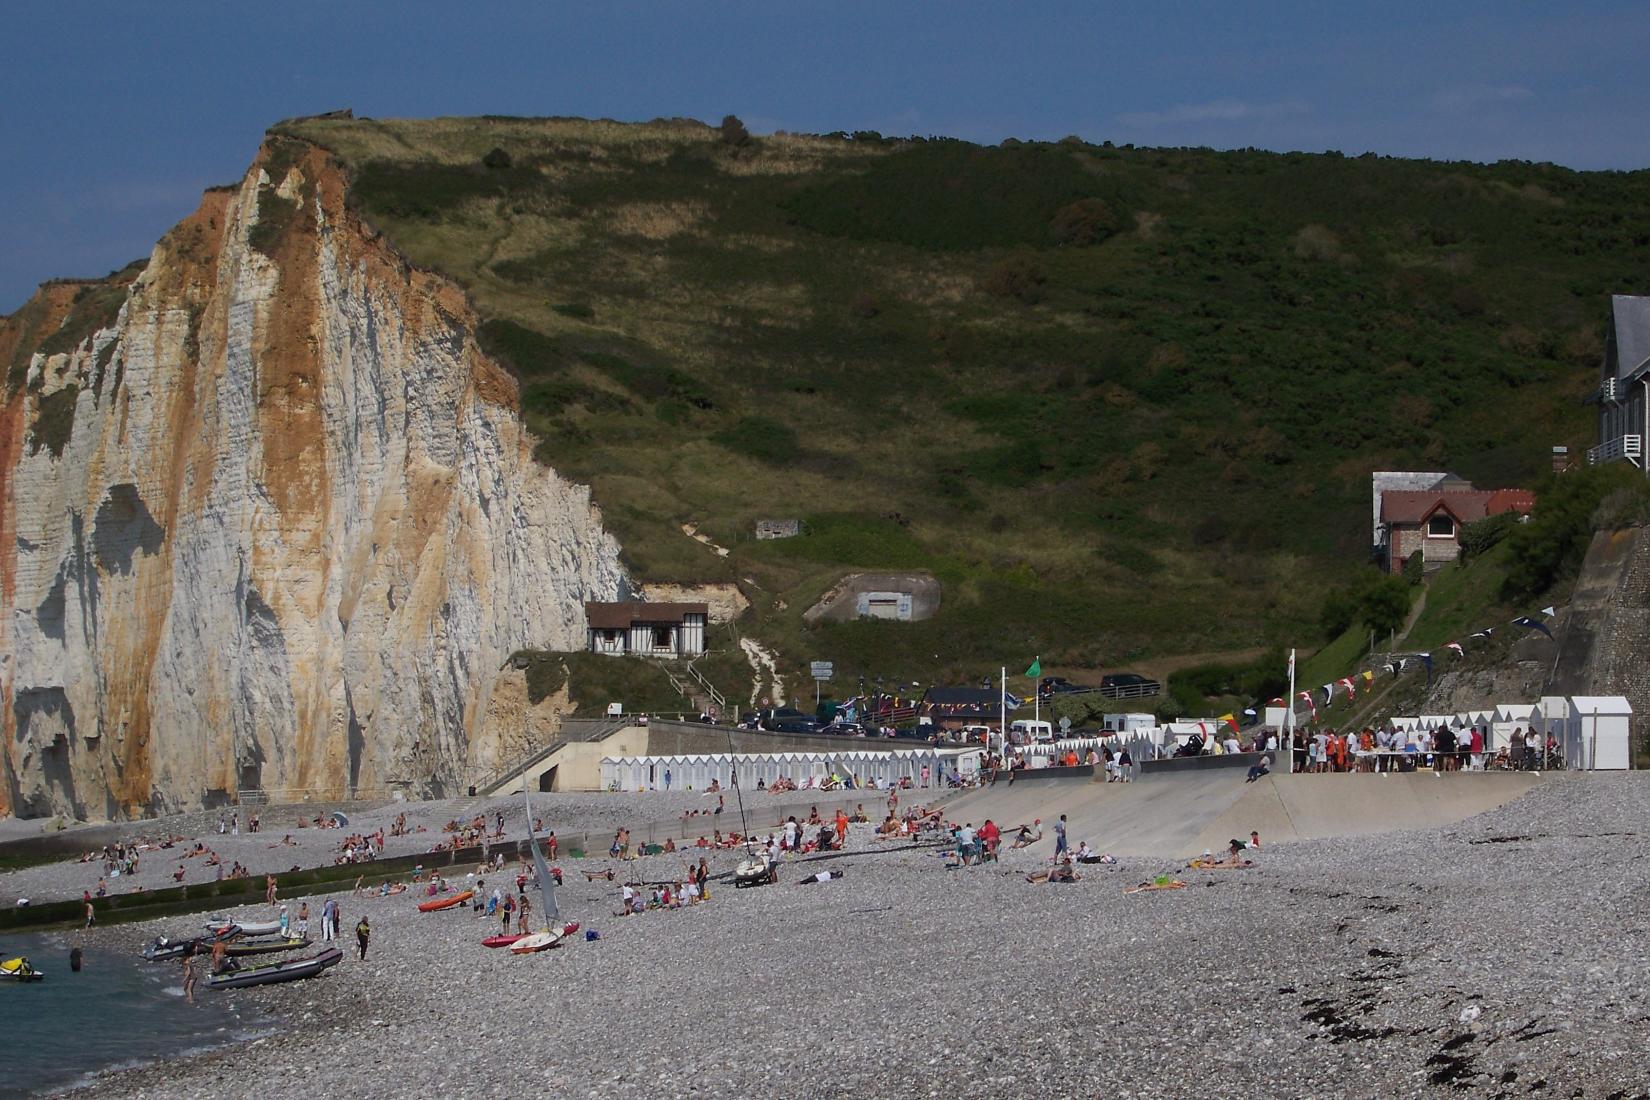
990 837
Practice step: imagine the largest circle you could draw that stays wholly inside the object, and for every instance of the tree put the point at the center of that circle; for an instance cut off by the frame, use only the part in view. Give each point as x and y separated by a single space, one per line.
1383 603
496 158
1016 277
734 132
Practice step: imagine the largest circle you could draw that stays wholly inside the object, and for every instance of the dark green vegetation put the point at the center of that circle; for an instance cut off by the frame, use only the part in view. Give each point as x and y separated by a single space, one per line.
594 680
54 420
1550 548
1124 402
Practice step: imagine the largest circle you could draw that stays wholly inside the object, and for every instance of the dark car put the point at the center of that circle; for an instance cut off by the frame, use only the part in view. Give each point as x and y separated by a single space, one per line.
844 729
1128 685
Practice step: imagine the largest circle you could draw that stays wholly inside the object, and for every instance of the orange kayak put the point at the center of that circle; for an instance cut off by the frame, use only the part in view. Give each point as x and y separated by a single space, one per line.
445 903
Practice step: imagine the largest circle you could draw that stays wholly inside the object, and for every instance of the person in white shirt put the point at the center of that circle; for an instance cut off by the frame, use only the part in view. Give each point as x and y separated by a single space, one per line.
1232 745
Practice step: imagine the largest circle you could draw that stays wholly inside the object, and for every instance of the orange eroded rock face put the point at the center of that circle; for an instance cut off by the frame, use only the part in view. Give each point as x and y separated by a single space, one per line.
271 521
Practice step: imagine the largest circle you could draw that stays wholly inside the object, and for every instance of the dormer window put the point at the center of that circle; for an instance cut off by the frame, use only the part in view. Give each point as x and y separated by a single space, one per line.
1440 526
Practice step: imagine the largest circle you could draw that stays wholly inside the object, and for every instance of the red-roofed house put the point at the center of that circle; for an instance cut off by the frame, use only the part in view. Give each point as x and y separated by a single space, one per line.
1430 521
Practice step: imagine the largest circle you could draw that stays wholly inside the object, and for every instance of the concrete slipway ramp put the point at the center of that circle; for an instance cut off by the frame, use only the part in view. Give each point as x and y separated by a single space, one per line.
1172 812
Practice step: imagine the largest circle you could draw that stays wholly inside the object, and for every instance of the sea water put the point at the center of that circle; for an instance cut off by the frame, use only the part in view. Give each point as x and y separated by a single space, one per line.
119 1010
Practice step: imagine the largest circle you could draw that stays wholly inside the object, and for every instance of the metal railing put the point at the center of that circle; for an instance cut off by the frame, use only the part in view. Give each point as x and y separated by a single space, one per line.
1628 447
572 729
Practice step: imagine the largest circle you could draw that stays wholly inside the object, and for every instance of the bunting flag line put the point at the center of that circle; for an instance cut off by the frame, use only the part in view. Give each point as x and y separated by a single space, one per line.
1532 624
1278 702
1480 634
1459 652
1313 707
1351 692
1328 694
1230 720
1549 611
1392 668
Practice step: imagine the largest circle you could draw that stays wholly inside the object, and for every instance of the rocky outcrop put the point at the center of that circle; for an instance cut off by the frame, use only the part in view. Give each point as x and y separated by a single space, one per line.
270 521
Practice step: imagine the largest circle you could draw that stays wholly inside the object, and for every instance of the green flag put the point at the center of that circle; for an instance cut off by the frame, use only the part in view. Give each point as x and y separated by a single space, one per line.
1036 668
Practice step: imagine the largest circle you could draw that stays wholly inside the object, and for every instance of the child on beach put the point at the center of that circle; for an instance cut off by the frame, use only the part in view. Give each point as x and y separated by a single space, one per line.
303 921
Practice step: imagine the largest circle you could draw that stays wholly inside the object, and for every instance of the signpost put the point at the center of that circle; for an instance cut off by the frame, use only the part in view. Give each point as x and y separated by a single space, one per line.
822 671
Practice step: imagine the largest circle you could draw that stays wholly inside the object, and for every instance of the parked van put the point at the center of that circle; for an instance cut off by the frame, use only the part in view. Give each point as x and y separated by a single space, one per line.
1024 730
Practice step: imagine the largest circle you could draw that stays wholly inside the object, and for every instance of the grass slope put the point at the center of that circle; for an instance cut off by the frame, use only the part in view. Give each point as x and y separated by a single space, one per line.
1123 402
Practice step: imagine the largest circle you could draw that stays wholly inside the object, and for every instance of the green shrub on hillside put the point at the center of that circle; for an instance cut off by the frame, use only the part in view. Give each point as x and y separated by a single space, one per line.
1550 547
1477 538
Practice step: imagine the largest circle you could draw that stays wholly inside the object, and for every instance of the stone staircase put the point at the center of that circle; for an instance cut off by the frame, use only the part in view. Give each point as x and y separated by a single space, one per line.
572 730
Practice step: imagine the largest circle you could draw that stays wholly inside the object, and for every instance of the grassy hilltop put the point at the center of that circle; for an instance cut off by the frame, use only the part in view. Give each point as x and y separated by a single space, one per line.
1123 402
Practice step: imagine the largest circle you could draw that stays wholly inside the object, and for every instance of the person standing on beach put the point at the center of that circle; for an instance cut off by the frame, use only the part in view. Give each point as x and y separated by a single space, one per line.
188 964
303 921
1060 837
363 933
91 914
235 824
524 910
269 889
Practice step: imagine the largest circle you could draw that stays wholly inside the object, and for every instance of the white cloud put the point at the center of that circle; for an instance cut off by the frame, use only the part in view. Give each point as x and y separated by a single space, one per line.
1214 111
1467 97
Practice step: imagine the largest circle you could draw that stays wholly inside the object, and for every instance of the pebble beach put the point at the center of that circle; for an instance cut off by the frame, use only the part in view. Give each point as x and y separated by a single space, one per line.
1504 956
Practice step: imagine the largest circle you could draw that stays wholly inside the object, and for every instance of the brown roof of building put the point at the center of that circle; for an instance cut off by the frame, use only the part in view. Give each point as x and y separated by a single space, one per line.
1466 505
618 616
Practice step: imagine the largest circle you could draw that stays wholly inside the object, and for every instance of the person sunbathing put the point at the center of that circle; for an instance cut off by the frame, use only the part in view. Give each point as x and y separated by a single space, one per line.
592 876
1026 837
1060 872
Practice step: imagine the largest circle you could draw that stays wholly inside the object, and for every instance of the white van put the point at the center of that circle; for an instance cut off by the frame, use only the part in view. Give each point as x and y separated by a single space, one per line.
1024 730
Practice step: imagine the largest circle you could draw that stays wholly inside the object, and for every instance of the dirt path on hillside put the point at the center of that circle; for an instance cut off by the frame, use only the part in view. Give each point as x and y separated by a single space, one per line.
1159 668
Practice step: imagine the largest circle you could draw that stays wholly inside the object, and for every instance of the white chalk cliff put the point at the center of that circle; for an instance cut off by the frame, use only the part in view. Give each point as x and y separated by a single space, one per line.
289 535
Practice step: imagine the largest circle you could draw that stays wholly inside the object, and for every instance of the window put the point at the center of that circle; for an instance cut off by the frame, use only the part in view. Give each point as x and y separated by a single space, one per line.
1440 526
661 637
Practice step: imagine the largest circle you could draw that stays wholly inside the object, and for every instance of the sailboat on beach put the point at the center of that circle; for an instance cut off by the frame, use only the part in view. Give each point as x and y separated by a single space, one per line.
545 938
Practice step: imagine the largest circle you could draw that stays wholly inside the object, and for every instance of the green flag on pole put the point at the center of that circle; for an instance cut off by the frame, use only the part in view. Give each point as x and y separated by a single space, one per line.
1036 668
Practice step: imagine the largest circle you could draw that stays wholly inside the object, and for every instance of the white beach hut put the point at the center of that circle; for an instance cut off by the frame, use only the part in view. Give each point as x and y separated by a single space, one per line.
1509 717
1601 731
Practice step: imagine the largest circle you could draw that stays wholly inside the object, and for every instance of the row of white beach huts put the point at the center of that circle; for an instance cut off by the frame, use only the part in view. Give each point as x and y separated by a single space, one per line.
926 767
1594 732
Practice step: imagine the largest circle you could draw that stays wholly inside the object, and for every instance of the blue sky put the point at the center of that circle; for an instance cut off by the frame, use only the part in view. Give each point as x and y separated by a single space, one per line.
114 116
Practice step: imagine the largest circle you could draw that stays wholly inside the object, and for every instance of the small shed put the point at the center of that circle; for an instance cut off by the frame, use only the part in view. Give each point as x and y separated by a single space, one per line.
1601 731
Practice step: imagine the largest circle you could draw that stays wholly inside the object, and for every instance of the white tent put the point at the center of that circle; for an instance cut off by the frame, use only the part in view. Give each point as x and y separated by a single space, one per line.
1601 733
1433 721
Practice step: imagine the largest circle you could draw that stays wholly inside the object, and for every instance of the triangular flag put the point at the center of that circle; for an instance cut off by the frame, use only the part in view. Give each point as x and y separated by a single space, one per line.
1549 611
1351 692
1328 694
1230 720
1533 624
1369 677
1036 668
1459 652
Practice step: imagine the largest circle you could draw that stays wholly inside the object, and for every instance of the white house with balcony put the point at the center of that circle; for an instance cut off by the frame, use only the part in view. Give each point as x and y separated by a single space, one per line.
1623 396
